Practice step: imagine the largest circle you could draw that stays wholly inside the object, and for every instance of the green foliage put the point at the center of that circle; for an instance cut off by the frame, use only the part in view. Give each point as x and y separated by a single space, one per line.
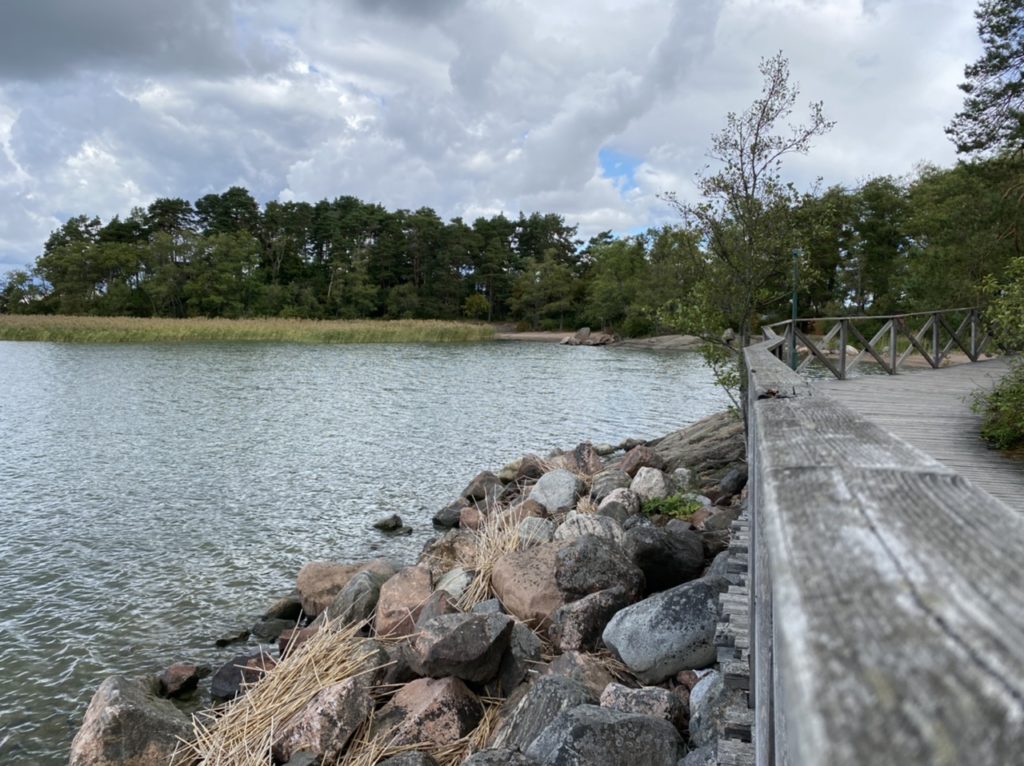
476 306
724 363
1002 408
1002 411
675 506
992 119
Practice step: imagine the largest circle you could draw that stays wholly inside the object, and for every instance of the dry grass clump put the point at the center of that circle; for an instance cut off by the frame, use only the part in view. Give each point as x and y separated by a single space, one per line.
241 734
498 536
89 329
586 505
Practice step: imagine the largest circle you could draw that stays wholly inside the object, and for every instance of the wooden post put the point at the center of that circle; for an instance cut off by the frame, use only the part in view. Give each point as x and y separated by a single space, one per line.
843 338
892 345
936 348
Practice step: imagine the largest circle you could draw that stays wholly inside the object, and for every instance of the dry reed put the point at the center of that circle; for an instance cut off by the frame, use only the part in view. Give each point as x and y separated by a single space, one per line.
241 734
498 536
90 329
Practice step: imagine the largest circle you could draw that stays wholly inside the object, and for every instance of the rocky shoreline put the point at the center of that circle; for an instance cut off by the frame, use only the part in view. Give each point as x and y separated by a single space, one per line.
566 616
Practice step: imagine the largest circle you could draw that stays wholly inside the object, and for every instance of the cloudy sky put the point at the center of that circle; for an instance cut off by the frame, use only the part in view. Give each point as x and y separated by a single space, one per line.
586 108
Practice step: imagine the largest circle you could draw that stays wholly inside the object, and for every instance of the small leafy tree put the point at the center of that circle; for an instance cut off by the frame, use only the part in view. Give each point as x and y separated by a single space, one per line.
745 215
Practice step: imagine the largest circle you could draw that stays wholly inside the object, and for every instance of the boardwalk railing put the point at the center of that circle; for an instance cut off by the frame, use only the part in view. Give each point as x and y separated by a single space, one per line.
887 593
931 334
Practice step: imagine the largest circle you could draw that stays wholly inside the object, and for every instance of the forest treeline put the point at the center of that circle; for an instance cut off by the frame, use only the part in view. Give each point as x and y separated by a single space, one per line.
887 245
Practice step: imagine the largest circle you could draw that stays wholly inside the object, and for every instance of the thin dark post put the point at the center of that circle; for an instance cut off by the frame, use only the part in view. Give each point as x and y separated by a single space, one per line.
892 345
936 349
792 334
974 335
843 336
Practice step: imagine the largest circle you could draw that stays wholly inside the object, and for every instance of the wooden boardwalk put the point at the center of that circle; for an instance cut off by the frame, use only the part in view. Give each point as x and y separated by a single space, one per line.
931 410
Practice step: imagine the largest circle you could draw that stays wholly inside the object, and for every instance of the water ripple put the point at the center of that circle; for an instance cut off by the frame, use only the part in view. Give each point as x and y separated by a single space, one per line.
152 497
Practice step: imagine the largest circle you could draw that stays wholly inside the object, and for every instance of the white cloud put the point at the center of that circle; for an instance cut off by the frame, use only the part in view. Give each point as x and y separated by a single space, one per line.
470 107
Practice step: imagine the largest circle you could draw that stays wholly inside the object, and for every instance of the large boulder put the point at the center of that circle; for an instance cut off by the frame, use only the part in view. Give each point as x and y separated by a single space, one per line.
427 710
589 734
557 490
708 447
319 582
449 516
126 724
606 481
356 601
734 480
526 717
590 564
467 646
668 557
579 524
401 600
524 581
578 625
325 725
671 631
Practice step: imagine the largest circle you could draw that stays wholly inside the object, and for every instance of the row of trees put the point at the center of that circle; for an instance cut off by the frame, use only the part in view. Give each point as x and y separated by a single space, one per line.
887 245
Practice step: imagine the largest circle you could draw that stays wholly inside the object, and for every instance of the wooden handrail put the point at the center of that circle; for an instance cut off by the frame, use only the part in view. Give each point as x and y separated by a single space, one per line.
933 340
886 592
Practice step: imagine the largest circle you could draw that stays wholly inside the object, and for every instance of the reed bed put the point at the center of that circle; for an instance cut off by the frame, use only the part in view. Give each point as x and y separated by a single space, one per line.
89 329
241 734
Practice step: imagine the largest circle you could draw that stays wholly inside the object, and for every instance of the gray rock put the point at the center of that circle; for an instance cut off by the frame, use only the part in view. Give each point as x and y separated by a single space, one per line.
706 447
126 724
706 710
577 626
557 490
467 646
415 758
649 700
490 606
619 504
534 531
484 488
721 519
240 671
590 564
267 631
448 517
702 756
588 734
681 479
605 482
523 656
546 698
671 631
719 566
639 520
439 603
356 601
668 557
390 523
579 524
498 757
454 582
734 480
434 712
604 449
325 725
285 608
232 637
582 668
651 484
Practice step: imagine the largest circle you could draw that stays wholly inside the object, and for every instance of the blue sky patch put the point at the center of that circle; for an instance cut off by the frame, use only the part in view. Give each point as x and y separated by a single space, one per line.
619 167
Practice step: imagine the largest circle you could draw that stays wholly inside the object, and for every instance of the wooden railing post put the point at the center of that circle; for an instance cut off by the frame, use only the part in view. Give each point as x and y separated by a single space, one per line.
893 330
936 348
843 339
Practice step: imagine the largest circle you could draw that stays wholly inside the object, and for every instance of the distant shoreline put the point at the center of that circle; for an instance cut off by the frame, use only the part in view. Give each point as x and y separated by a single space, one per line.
89 329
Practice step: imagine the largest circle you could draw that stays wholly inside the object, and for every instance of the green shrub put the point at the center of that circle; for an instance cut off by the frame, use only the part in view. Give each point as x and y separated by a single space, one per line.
676 506
1002 411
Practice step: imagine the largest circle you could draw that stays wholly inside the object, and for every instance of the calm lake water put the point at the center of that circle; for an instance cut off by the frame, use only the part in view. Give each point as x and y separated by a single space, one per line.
153 497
